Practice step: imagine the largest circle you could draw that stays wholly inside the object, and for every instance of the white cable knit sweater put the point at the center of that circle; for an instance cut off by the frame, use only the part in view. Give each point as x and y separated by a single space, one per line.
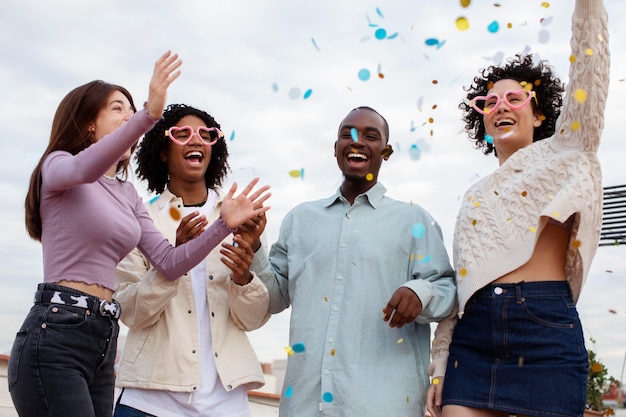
502 215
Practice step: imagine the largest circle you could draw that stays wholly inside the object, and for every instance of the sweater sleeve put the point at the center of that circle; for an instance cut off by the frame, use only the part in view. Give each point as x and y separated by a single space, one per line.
582 119
441 344
62 171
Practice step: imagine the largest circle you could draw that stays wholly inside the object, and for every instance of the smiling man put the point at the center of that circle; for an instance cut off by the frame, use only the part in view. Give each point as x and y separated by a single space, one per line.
364 275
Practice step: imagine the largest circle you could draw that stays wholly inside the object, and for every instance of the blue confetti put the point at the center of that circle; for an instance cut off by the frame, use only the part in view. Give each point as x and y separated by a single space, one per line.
307 93
418 230
315 44
328 397
414 152
364 74
232 135
298 347
288 392
493 27
355 134
489 139
380 34
379 13
153 199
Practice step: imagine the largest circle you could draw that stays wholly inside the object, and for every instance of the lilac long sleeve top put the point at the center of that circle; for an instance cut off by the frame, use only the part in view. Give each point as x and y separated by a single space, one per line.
90 222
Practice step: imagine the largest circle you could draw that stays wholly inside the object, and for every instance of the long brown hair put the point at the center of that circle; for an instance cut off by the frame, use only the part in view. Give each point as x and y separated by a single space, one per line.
70 133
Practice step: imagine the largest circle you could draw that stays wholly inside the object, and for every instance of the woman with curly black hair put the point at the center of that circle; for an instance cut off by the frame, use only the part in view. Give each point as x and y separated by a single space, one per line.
525 237
187 352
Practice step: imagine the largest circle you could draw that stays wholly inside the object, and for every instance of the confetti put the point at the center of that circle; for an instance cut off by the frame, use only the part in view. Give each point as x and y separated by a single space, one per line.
520 361
274 87
380 34
532 229
545 4
418 230
307 94
462 272
289 350
315 44
435 381
332 352
576 244
379 13
462 23
575 125
400 341
328 397
489 139
297 173
289 392
354 134
175 213
232 136
380 71
294 93
414 152
612 311
364 74
465 3
369 176
524 193
298 347
580 95
493 27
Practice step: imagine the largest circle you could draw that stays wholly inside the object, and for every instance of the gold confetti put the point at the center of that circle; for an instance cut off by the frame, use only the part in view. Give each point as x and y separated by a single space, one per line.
175 213
520 361
580 95
509 25
524 193
369 176
575 125
476 204
589 51
462 272
556 214
572 59
474 222
465 3
435 381
431 120
411 257
456 364
532 229
576 244
289 350
407 400
545 4
435 82
550 196
462 23
332 352
400 341
326 299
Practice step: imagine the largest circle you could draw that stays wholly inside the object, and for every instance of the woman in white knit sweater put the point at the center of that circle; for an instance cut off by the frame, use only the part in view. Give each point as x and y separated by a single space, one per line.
525 237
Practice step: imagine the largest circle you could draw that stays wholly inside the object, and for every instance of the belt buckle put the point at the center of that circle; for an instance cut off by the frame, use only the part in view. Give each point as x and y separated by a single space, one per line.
111 309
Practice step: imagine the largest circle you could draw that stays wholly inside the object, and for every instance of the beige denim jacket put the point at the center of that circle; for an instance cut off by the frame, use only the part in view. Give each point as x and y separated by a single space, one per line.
161 350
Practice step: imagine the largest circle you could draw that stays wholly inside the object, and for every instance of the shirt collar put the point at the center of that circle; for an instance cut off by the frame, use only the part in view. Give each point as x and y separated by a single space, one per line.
373 196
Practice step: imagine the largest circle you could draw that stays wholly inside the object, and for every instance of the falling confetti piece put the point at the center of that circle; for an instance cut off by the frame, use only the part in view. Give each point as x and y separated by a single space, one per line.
369 176
380 34
532 229
580 95
354 134
332 352
418 230
315 45
493 27
400 341
520 361
610 271
435 82
328 397
425 259
294 93
462 23
575 125
298 347
379 13
175 213
612 311
462 272
556 214
364 74
545 4
589 51
476 204
435 381
465 3
289 350
153 199
576 244
232 136
414 152
474 221
297 173
395 35
489 139
434 42
307 94
524 193
289 392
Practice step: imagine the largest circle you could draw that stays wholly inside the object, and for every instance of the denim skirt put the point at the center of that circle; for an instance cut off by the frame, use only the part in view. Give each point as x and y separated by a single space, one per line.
519 348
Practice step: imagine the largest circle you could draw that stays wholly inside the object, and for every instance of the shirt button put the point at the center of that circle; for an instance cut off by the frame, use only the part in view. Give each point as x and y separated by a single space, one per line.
331 340
348 215
336 307
327 372
343 245
497 291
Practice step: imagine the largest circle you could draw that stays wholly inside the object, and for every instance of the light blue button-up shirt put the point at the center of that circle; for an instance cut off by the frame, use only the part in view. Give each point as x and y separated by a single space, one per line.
337 266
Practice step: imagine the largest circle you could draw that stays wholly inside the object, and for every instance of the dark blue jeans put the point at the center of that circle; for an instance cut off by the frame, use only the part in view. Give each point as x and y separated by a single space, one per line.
122 410
61 363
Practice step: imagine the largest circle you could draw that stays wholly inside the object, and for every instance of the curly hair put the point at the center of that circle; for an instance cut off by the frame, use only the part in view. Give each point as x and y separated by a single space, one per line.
152 168
548 89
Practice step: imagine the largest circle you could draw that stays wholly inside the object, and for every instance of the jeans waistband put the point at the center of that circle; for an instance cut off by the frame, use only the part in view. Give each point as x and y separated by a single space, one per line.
57 294
527 289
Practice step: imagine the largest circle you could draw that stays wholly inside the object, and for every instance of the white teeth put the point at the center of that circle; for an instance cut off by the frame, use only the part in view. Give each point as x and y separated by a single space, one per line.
357 155
500 122
193 154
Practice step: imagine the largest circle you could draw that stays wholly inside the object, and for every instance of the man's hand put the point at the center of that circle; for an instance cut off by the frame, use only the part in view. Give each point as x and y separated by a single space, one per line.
403 307
238 257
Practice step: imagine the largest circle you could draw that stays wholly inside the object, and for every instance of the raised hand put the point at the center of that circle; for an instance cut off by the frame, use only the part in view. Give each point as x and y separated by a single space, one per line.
166 70
237 210
251 231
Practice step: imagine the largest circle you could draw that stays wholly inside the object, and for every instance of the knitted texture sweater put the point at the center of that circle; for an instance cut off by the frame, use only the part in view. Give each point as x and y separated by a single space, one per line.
502 215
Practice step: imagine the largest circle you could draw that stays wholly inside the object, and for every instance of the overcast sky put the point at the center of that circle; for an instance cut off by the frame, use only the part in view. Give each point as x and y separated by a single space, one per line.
279 76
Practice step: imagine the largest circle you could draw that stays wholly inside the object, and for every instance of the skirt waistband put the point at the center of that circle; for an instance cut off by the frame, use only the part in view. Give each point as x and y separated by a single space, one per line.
58 294
526 289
